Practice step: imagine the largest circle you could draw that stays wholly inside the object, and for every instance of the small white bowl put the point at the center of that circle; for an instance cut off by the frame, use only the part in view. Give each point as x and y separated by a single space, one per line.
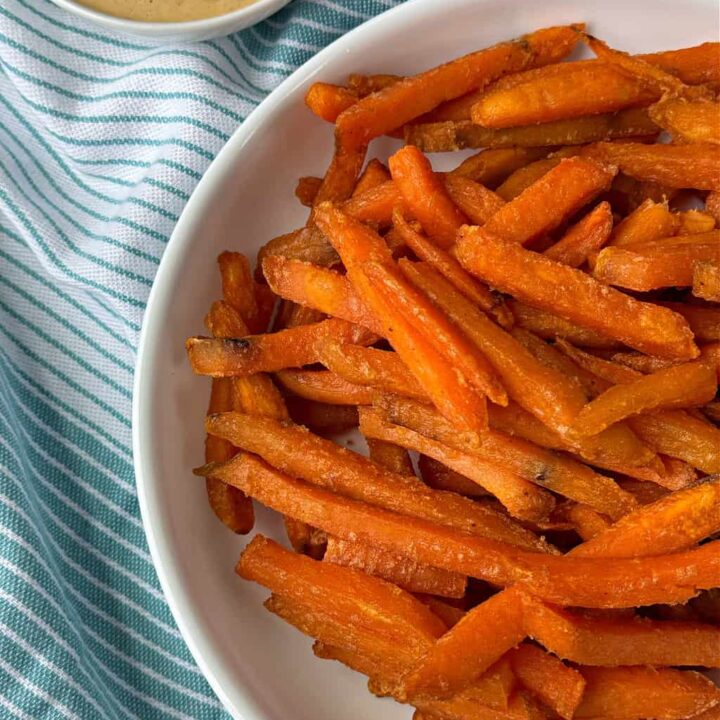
170 32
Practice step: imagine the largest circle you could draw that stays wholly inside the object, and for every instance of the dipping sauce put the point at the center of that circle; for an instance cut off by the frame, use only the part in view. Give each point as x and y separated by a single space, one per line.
165 10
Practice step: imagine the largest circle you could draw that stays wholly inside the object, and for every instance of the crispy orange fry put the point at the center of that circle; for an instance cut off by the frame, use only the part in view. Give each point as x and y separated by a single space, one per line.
306 244
623 640
515 420
706 279
586 582
519 496
674 522
697 121
221 357
587 522
540 390
374 174
474 199
680 435
383 111
425 195
530 462
549 327
694 221
342 174
326 387
664 263
375 204
678 166
451 616
239 288
560 92
583 238
307 189
460 135
535 279
650 221
491 167
358 245
441 477
400 570
558 686
366 366
296 451
642 363
685 385
392 457
642 692
318 287
704 320
549 201
368 603
525 176
490 629
452 270
328 101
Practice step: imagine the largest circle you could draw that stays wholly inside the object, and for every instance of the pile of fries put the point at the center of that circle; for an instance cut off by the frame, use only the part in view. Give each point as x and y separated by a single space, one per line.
530 345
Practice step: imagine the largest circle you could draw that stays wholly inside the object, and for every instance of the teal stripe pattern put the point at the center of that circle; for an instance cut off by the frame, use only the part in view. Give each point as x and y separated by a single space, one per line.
102 140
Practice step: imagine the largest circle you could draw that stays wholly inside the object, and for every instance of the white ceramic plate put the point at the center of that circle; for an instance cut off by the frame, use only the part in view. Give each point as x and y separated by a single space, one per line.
260 668
189 31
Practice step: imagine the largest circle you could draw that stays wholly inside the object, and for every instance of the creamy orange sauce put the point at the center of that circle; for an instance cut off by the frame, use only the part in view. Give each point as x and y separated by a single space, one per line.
165 10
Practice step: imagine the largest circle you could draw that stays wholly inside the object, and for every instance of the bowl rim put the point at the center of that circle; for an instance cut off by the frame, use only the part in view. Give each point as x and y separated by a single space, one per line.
171 585
259 8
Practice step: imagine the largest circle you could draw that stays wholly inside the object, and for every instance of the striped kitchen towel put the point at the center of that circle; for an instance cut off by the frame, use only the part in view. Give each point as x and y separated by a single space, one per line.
102 139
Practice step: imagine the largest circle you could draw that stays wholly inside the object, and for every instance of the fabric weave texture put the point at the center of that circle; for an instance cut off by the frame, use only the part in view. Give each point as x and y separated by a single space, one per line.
102 140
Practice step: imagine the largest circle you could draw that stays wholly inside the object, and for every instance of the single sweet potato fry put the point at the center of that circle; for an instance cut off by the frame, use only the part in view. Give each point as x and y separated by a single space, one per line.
401 102
704 320
694 221
643 692
425 195
642 363
525 176
680 435
550 327
324 386
584 238
221 357
664 263
474 199
706 279
615 641
647 223
306 190
342 174
560 92
519 496
515 420
480 639
535 279
328 101
392 457
463 134
585 582
677 166
685 385
376 204
557 685
449 613
401 570
319 288
689 121
673 475
674 522
447 265
441 477
350 596
587 522
307 244
295 450
530 462
374 174
694 65
549 201
367 366
492 167
239 288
